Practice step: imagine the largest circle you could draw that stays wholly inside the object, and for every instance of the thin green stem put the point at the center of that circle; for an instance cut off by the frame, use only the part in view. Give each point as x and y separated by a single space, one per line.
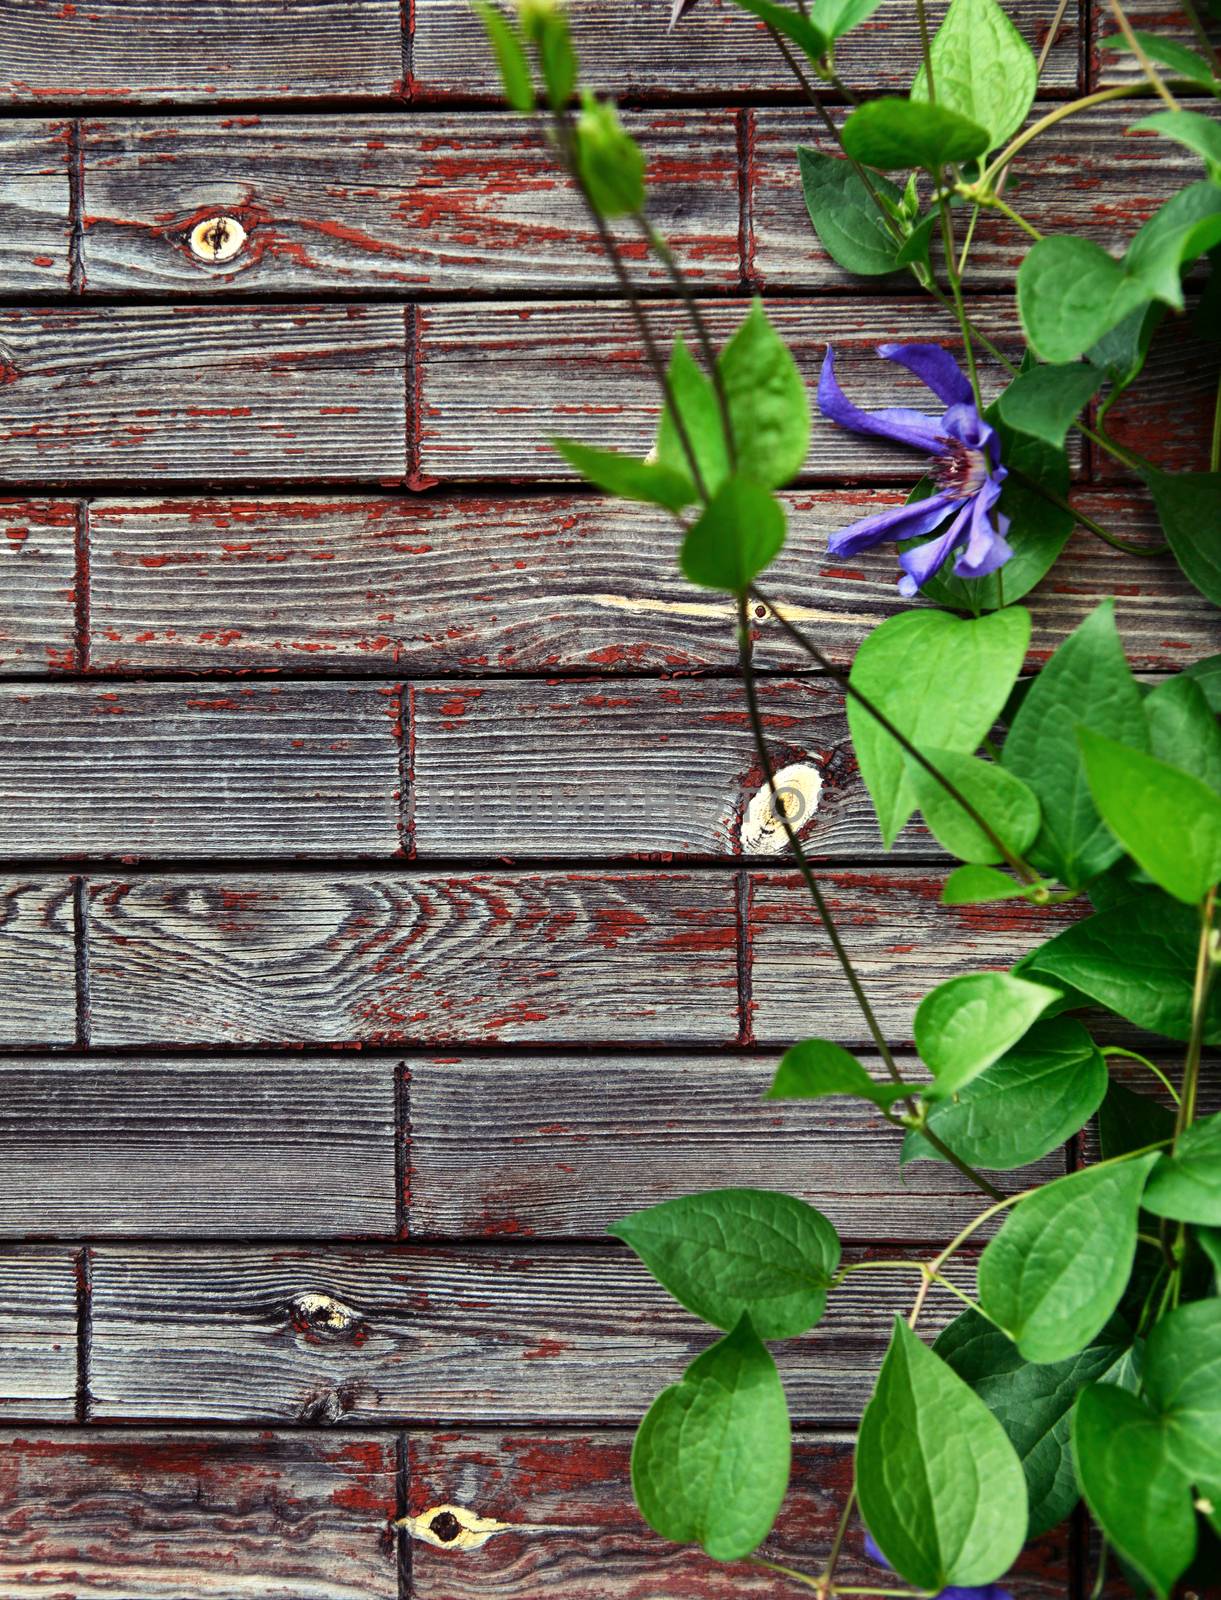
1139 51
1100 1580
1214 449
1132 1055
1046 48
960 310
841 1533
1006 210
1123 91
1205 969
803 1578
926 50
1113 539
968 240
1202 39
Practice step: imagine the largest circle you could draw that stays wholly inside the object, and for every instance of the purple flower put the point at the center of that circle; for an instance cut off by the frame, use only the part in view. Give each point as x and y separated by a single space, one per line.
965 466
984 1591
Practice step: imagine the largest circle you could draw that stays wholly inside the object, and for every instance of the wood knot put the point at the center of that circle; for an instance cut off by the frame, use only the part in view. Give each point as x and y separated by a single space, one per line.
452 1528
217 238
323 1319
798 789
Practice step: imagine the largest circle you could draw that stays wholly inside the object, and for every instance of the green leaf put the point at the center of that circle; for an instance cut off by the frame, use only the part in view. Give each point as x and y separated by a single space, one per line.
1086 682
1207 674
696 402
1137 1492
510 57
1184 730
545 24
1137 958
1192 129
973 886
1182 1382
838 17
1129 1121
1187 509
852 229
1071 293
1168 821
942 681
710 1464
1184 63
1187 1184
1054 1274
1033 1403
1186 227
816 1068
982 68
892 133
1006 804
732 1251
1045 401
941 1488
1026 1104
610 161
627 477
737 536
1121 352
769 409
965 1024
792 24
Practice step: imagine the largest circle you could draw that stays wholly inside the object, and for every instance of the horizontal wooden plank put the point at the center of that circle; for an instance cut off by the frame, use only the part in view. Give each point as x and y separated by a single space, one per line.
627 51
178 770
145 50
296 1148
497 382
558 1146
903 943
200 1516
581 768
37 962
394 1334
35 226
444 203
566 1528
1167 414
37 586
460 583
561 957
195 391
1085 176
1154 16
38 1320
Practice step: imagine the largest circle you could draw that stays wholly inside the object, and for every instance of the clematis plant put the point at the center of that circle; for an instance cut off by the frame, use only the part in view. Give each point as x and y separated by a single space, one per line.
1085 1363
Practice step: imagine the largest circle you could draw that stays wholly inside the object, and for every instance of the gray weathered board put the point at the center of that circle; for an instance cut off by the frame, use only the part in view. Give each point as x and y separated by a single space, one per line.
376 920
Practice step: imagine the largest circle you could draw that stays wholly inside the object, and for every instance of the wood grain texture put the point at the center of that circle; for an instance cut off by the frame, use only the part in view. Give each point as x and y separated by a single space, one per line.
903 943
399 1334
193 51
459 583
37 586
498 381
37 962
562 1146
35 229
562 958
447 203
149 1516
270 770
192 392
718 51
1085 176
299 1148
572 1533
641 768
1167 413
1154 16
38 1321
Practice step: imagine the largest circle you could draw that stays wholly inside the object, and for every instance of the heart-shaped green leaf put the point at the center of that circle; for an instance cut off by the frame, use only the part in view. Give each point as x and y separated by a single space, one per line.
982 68
816 1068
963 1025
898 134
739 534
1006 804
1187 1184
1070 293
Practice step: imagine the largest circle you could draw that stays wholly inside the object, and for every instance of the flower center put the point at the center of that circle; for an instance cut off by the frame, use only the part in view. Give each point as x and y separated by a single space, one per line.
959 470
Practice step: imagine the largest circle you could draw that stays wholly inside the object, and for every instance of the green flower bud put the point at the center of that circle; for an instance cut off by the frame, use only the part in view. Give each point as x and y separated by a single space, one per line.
611 162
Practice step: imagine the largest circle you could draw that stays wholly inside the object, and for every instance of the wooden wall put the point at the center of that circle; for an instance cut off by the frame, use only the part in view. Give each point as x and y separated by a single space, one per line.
375 920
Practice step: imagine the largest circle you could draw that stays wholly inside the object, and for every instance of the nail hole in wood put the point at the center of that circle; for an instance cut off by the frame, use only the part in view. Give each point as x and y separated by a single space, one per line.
217 238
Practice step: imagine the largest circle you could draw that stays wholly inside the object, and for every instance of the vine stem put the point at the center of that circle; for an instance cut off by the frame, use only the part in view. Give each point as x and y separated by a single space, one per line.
1121 91
1113 539
1205 966
1131 1055
1202 39
1138 50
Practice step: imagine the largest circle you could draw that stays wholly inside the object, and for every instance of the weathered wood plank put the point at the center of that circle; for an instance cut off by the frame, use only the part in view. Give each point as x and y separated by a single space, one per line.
581 768
571 1532
35 230
627 51
195 391
1085 176
291 1148
146 1516
37 962
453 203
178 770
497 382
1154 16
903 943
191 50
399 1334
37 1336
563 1145
561 958
1167 414
460 583
37 586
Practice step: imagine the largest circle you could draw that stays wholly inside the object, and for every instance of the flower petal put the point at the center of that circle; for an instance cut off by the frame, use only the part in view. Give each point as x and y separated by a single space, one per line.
964 423
922 560
933 366
899 423
897 522
986 547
